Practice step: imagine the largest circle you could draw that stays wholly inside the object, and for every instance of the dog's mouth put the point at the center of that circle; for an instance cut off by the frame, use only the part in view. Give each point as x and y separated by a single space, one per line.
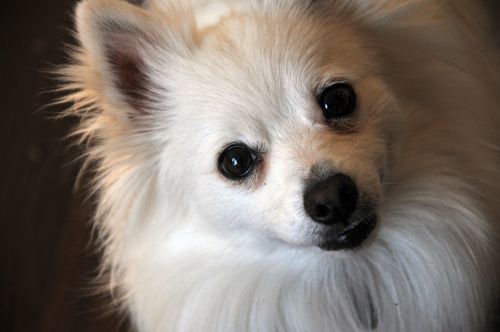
358 229
352 237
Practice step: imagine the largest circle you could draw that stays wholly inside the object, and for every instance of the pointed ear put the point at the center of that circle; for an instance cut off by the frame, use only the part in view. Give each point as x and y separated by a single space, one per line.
122 45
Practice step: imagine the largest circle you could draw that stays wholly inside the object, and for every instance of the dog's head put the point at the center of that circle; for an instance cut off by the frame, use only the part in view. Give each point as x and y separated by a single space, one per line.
275 120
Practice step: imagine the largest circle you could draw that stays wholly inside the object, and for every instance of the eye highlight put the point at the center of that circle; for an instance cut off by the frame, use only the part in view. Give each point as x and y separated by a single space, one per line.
338 101
237 161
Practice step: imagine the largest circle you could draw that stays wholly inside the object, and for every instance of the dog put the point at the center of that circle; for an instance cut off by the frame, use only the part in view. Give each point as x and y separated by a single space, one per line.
293 165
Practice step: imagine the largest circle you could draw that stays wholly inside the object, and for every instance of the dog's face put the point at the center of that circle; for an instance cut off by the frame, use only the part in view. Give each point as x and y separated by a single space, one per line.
279 125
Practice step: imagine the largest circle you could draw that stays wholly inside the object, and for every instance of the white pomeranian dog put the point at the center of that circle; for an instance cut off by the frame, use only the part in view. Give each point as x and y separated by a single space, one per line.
293 165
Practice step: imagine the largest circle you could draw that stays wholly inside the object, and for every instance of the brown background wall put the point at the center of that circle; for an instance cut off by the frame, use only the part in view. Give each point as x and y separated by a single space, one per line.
46 259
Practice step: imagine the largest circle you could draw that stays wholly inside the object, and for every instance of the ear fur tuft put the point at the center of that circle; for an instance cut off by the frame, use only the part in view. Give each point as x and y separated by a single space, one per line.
119 41
129 71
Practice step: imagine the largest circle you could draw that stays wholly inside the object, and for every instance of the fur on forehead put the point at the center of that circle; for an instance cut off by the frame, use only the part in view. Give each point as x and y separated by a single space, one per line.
124 45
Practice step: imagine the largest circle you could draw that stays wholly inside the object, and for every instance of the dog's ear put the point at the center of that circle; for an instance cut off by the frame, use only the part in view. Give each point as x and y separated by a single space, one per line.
122 45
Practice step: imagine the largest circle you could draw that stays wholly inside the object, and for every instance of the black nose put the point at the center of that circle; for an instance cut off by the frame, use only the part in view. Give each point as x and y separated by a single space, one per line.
332 200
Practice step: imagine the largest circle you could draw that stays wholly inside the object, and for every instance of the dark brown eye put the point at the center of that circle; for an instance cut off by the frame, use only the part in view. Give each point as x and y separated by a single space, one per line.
237 161
337 101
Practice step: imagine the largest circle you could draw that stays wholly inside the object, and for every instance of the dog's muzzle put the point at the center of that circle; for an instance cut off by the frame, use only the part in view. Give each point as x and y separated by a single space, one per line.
344 219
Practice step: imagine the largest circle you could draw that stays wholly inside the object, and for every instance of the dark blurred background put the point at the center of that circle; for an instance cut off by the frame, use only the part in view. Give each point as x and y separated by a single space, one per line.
47 260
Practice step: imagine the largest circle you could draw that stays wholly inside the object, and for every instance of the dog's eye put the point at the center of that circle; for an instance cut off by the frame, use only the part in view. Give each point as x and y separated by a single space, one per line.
337 101
237 161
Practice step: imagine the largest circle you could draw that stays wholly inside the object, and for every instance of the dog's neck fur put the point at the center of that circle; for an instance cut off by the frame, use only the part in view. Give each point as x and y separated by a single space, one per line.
235 288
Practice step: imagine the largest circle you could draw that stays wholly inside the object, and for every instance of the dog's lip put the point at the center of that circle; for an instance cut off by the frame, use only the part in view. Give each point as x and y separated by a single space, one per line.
350 238
356 229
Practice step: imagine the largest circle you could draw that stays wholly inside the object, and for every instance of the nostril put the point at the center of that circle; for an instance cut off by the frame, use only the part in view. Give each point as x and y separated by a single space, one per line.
322 211
331 200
